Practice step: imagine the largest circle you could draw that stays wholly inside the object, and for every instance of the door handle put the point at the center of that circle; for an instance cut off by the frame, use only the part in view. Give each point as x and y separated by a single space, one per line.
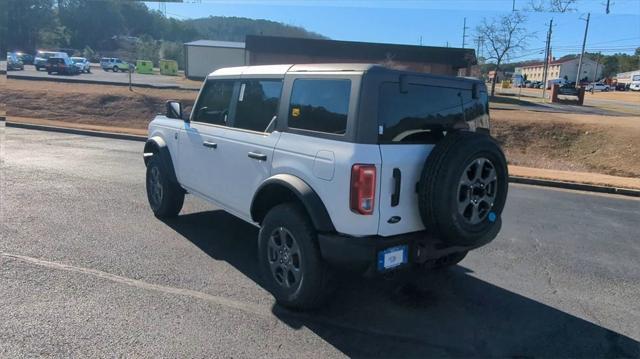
257 156
210 144
397 180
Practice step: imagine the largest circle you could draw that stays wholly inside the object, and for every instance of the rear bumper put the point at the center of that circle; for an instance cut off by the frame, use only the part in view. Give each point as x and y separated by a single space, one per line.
360 254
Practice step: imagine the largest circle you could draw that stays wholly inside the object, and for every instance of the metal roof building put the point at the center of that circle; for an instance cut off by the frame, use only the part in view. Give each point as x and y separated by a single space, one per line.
204 56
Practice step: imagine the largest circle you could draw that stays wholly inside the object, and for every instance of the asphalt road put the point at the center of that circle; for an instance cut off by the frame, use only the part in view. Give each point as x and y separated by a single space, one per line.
87 271
97 74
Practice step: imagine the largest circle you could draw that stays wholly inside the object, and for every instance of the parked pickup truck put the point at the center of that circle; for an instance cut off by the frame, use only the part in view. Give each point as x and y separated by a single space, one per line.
341 166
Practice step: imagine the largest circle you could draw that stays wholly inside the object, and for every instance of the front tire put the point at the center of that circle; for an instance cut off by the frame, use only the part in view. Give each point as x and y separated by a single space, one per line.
290 259
165 196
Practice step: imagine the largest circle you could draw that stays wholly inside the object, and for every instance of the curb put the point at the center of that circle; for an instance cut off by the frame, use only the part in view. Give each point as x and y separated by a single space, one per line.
575 186
512 179
99 82
75 131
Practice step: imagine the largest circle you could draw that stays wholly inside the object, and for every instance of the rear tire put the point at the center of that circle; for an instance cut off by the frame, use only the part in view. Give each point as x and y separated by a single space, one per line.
165 197
463 188
290 260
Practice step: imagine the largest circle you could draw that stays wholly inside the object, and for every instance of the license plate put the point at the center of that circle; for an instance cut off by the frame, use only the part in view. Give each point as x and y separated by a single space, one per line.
392 257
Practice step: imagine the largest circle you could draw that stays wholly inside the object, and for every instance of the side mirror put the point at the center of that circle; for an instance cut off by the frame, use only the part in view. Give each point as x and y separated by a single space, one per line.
173 109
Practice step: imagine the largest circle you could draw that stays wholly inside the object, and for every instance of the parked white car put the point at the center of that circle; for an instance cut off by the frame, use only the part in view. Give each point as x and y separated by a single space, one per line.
597 86
82 64
350 166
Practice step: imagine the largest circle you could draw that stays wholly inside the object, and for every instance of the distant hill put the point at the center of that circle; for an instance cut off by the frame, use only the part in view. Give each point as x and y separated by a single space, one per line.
236 28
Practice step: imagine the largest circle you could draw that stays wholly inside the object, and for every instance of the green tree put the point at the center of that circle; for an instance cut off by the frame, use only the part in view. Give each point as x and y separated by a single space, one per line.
28 19
173 51
3 27
610 66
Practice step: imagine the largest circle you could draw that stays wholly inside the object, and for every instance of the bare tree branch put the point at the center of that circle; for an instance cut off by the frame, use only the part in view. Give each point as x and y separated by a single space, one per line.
552 5
503 36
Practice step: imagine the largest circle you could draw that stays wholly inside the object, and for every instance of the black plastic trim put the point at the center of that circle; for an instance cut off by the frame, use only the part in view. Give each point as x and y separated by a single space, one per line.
302 191
160 149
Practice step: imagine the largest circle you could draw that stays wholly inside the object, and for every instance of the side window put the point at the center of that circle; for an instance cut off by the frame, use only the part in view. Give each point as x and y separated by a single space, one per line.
420 110
257 104
215 100
320 105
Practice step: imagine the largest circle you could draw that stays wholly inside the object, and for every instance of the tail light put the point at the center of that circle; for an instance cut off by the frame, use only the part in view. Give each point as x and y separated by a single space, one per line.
363 188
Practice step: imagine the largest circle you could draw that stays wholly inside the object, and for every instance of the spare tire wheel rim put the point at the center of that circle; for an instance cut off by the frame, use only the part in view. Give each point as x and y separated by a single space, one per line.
284 258
477 191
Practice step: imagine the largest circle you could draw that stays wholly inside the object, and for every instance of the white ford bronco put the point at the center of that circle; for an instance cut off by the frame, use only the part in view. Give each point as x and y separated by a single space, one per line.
341 166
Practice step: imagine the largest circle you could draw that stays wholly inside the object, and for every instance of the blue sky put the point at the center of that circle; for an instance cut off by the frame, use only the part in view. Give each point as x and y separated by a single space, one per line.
438 22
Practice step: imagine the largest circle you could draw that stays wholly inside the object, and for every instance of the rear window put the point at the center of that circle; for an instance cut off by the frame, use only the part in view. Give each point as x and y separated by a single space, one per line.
320 105
420 113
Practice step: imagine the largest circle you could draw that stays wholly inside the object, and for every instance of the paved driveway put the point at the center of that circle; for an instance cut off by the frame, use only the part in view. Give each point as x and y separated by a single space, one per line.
86 270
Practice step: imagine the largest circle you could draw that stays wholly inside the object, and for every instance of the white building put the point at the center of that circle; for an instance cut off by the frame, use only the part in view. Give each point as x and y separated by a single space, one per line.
561 68
205 56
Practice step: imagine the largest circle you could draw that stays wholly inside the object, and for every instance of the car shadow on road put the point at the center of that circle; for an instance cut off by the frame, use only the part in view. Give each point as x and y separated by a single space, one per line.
445 313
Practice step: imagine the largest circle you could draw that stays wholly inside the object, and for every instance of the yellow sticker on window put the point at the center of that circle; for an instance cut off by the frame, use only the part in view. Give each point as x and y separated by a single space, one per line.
295 112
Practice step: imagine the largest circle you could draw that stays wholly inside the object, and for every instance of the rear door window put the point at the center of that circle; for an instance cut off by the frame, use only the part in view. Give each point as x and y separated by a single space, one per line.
257 104
214 102
320 105
419 113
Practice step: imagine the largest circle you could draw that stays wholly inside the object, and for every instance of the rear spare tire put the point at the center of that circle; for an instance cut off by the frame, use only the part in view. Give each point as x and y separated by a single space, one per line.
463 188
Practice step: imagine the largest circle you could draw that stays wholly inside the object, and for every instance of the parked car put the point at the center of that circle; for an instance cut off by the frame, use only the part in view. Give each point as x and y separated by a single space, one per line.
13 62
26 59
635 83
526 84
620 87
62 66
552 82
40 61
598 86
82 64
114 64
293 150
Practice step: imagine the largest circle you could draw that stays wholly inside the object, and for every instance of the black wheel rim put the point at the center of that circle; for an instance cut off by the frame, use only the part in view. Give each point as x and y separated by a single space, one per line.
285 260
477 190
155 186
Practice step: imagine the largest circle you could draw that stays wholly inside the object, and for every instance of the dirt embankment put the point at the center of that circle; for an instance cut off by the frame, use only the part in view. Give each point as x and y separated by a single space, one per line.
89 104
586 143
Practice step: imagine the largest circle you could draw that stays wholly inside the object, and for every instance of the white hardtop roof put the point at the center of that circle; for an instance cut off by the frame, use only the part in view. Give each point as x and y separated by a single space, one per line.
283 69
215 43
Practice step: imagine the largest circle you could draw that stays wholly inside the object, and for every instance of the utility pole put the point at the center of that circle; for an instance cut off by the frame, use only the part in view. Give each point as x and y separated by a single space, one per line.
584 43
513 6
464 31
547 52
420 40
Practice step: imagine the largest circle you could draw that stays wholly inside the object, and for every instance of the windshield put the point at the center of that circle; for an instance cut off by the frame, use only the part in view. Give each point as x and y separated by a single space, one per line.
636 78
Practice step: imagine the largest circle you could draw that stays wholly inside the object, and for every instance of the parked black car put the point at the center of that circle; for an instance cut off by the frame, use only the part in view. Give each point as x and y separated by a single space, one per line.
61 65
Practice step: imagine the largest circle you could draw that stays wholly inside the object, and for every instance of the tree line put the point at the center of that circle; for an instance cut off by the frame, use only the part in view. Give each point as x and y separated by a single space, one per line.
98 26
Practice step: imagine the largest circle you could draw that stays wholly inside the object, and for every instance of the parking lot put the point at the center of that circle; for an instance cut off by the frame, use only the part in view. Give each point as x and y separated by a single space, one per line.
109 77
86 270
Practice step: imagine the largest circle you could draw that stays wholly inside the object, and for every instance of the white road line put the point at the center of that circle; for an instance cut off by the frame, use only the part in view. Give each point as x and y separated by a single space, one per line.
262 311
245 307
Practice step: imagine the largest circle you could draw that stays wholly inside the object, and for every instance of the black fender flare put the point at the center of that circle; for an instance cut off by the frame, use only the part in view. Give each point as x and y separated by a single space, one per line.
277 189
156 146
